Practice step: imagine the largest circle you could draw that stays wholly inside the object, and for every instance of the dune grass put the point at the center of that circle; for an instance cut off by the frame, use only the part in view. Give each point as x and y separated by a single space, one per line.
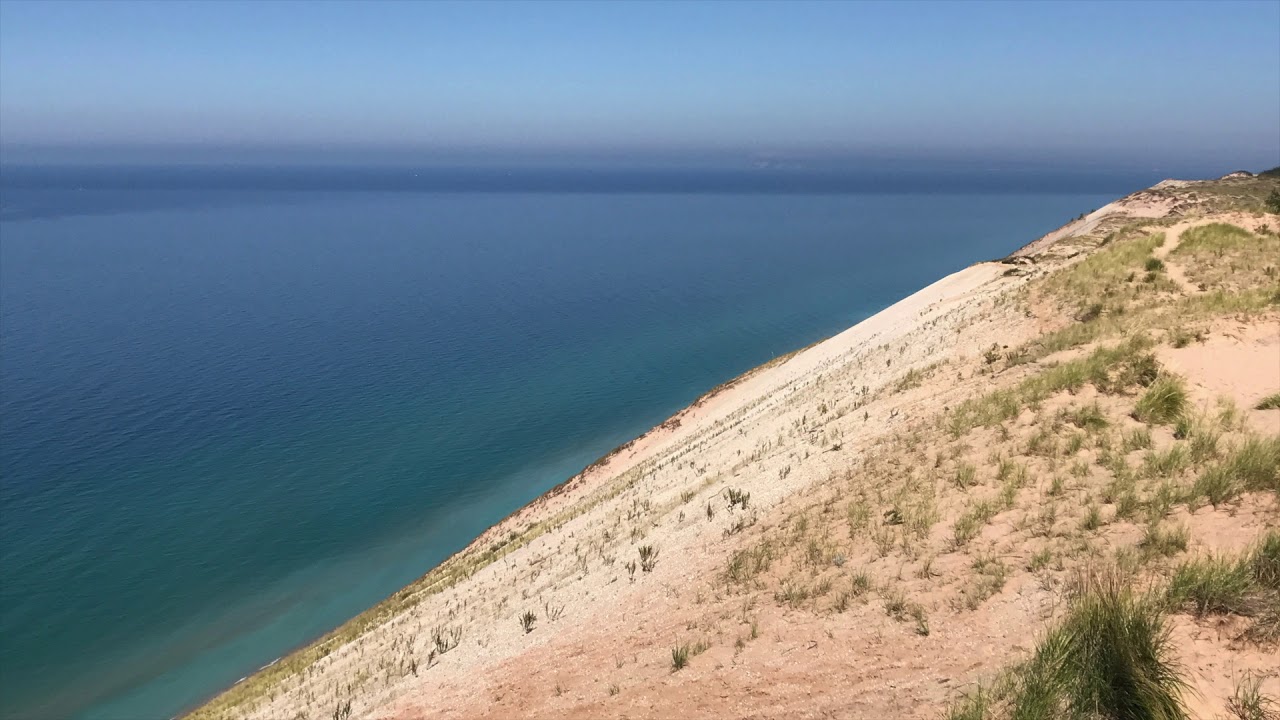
1249 702
679 657
1110 369
1264 561
1256 463
1223 256
1165 542
1213 585
1251 466
1247 585
1216 238
1110 657
1163 402
1109 278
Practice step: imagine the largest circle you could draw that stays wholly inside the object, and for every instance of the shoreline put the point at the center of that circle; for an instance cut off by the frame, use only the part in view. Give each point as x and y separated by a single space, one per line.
936 323
558 496
495 531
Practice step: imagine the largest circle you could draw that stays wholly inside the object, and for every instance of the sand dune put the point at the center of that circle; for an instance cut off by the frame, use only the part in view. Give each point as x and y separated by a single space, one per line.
891 554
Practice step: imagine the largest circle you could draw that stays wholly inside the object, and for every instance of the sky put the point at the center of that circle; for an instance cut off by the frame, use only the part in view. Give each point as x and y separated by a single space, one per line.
774 83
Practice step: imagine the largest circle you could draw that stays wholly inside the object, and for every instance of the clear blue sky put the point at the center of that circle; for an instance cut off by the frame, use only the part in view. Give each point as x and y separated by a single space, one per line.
1138 82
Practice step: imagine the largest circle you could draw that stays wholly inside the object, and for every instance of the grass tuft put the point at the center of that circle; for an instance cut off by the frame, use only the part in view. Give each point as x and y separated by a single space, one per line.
1256 463
1092 519
1247 585
1217 486
975 706
679 657
1163 402
1213 585
1264 561
1248 702
1089 418
1225 257
1112 657
1165 542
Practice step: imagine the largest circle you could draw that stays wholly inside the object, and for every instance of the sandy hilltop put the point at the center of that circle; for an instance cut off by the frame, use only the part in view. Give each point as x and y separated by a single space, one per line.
1046 484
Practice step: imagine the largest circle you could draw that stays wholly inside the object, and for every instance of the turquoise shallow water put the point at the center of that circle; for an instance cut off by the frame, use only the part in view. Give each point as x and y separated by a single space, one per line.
233 420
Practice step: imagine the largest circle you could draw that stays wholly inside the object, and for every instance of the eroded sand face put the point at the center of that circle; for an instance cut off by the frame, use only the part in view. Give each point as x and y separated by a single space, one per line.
788 434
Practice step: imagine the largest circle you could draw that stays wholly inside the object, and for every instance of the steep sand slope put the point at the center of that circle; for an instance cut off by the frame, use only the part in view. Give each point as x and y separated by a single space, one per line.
850 584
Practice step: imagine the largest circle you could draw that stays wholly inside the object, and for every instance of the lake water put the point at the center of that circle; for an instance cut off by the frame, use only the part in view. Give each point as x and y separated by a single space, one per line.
232 418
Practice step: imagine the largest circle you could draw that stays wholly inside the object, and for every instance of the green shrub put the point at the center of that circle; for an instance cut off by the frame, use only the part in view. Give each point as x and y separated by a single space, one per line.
1273 202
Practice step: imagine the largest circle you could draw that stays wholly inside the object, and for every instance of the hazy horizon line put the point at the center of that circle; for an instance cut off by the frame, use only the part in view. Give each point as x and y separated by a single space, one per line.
793 158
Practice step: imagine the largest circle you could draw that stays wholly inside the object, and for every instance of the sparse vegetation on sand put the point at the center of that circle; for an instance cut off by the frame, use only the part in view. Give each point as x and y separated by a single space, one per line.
1221 256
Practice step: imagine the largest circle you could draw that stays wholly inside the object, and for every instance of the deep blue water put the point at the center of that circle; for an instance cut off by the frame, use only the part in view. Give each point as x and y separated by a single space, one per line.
232 418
